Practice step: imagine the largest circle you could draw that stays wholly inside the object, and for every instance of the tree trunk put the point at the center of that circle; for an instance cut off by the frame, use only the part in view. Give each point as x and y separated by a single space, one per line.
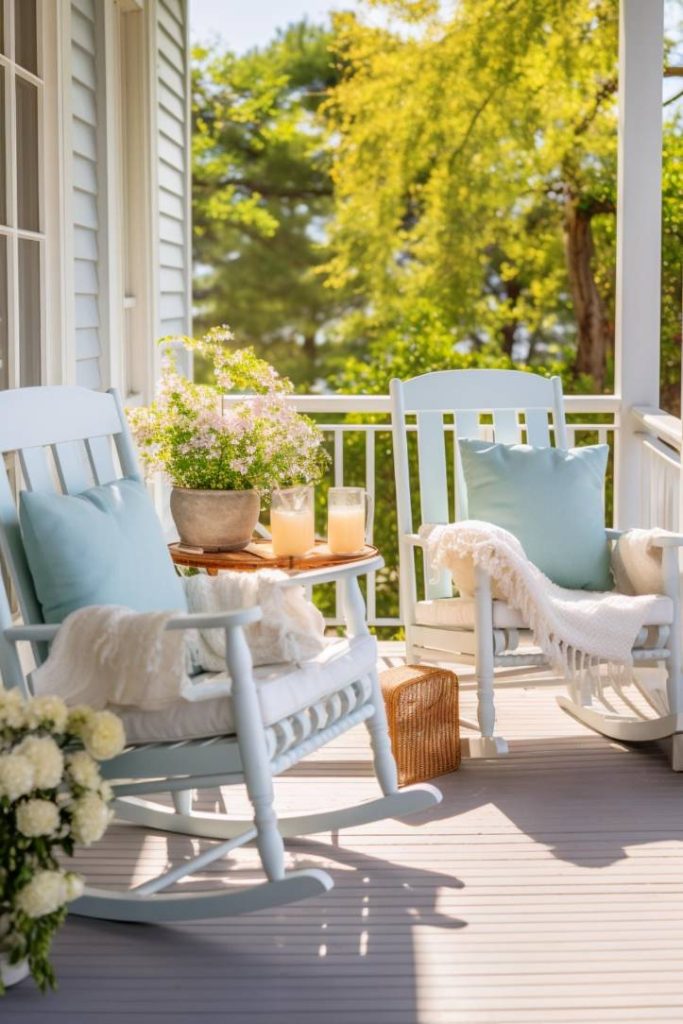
310 351
513 291
594 329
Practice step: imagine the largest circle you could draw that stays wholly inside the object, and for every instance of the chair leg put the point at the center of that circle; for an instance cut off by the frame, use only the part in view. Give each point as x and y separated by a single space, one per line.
254 754
411 657
487 745
182 801
383 757
677 752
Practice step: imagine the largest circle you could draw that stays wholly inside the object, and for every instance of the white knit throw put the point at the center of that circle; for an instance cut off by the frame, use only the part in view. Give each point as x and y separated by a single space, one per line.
290 629
575 629
109 656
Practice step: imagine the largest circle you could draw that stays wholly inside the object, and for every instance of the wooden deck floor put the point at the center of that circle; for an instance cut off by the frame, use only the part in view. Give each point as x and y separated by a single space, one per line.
548 887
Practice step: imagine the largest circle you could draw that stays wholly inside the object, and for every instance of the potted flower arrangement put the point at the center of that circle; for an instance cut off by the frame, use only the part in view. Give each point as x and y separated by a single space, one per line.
52 798
222 460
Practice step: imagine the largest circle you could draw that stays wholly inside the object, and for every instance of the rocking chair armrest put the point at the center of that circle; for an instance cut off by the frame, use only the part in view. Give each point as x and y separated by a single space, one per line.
312 577
46 632
215 620
414 540
39 632
675 540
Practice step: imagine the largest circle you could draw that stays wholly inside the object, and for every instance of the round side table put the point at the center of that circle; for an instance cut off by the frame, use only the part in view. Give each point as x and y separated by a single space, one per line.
259 555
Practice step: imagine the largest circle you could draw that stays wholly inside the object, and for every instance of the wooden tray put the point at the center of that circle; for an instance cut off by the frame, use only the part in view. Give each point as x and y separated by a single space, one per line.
259 555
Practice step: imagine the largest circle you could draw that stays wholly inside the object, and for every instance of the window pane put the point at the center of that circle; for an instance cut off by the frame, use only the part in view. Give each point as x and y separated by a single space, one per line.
27 156
29 312
4 333
3 146
26 35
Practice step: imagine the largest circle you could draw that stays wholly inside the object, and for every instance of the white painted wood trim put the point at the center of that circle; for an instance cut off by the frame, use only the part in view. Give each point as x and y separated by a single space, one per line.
664 426
59 356
153 180
638 284
109 198
64 275
137 385
343 404
188 180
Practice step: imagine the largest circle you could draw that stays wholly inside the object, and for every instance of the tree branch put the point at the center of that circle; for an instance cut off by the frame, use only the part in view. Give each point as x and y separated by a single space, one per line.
672 99
608 88
472 125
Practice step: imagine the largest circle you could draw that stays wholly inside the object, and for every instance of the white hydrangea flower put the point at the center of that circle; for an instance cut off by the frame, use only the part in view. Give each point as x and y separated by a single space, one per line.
80 716
106 792
103 736
47 710
17 775
46 758
12 708
83 770
45 893
37 818
89 818
74 885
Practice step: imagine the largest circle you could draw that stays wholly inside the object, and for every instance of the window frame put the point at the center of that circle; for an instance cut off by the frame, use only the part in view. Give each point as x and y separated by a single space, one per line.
11 230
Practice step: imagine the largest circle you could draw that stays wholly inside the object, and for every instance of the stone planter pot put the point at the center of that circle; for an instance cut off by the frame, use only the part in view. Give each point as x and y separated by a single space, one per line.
215 520
12 974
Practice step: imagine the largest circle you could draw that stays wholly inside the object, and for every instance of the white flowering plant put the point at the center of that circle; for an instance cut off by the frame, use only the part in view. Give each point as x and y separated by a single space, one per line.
260 442
52 798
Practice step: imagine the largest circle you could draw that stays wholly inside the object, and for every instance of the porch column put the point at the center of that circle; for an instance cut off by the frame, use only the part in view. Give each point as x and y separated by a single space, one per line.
638 283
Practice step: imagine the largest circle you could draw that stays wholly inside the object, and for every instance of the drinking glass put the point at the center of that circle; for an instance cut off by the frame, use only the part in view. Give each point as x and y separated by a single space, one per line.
349 511
291 521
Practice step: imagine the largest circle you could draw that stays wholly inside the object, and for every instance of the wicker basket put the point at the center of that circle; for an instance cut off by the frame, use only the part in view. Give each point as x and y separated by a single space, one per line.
422 711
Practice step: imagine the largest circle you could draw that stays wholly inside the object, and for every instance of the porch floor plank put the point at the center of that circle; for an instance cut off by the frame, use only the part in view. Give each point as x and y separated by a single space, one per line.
546 889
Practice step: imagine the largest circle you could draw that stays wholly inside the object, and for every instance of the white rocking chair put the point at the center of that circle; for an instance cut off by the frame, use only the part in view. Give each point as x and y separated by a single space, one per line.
441 627
71 439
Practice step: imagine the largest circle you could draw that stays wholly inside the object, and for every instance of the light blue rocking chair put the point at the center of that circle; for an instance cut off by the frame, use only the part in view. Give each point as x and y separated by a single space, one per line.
509 406
69 439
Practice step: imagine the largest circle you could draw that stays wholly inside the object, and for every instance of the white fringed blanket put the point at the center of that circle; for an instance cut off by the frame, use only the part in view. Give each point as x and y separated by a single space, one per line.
108 656
575 629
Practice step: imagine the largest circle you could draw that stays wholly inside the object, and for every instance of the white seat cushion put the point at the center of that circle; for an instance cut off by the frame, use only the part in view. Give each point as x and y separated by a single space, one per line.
282 690
458 613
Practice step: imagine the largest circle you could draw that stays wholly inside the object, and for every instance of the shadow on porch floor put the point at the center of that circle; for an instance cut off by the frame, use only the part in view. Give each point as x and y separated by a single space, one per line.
548 887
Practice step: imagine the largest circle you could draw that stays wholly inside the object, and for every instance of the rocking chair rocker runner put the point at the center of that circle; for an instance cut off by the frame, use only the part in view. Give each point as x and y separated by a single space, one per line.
79 438
441 627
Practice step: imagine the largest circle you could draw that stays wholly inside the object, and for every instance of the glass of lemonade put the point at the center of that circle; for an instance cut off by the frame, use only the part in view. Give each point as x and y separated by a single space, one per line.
292 525
348 519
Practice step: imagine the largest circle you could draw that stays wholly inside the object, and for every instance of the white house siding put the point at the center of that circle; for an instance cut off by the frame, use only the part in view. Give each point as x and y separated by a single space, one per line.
172 134
85 174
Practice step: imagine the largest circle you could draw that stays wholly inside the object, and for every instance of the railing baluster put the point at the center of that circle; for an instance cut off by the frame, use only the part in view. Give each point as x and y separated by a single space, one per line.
338 482
370 439
660 470
338 457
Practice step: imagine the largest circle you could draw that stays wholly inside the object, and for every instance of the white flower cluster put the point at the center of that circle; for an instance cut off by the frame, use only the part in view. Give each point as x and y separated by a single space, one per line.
49 796
48 891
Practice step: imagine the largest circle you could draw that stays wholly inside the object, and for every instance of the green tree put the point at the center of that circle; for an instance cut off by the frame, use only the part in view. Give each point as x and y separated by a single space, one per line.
475 175
262 195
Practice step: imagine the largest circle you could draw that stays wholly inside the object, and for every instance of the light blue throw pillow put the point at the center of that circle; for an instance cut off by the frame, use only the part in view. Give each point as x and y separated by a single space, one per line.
104 546
551 500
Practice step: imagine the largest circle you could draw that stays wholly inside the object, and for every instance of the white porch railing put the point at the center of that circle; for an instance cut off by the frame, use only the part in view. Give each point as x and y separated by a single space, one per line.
358 431
358 434
660 468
